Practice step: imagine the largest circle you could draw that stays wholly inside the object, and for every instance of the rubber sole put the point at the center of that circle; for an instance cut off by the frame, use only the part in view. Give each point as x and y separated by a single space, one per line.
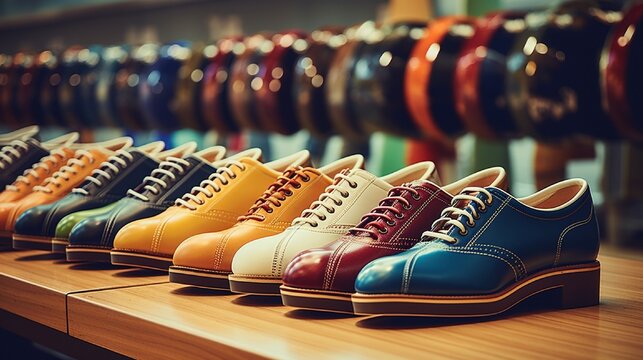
25 242
320 300
573 286
58 245
144 261
200 278
254 285
88 254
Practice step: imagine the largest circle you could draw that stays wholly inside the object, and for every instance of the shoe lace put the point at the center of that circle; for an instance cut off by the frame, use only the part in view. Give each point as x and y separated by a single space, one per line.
327 203
386 210
210 186
46 163
461 205
171 167
278 192
10 152
100 176
62 175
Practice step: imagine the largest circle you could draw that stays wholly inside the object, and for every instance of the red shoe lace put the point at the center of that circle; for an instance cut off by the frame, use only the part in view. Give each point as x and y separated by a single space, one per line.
386 210
276 193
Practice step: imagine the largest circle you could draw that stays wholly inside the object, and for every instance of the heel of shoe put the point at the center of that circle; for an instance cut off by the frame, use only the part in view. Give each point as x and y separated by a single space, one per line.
581 289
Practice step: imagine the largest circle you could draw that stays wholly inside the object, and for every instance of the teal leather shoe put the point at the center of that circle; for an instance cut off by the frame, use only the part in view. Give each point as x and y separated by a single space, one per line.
488 252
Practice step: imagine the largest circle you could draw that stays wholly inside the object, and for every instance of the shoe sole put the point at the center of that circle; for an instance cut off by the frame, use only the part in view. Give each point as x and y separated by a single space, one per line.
254 285
145 261
575 286
199 278
88 254
24 242
319 300
58 245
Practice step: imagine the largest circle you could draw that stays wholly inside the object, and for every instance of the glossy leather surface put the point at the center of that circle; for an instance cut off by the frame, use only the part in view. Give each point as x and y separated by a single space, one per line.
509 242
30 153
56 187
294 191
41 170
622 76
162 234
553 72
268 257
273 84
480 76
99 229
42 220
335 266
377 84
214 91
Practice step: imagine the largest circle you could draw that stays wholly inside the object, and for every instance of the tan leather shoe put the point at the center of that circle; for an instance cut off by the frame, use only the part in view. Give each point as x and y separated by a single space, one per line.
215 205
87 157
60 152
206 259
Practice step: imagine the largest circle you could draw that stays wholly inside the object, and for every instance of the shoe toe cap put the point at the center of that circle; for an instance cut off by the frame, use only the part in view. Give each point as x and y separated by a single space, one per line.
258 257
307 269
31 221
88 231
383 275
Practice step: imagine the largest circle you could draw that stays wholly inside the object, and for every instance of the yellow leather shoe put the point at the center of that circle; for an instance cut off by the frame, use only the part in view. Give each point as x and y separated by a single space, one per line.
205 260
60 151
215 205
87 157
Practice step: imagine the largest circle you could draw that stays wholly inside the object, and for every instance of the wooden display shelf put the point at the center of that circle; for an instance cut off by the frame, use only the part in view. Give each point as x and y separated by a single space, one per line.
36 284
171 321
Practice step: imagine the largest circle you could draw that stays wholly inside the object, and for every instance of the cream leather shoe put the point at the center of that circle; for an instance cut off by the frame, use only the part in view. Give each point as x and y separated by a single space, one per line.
258 266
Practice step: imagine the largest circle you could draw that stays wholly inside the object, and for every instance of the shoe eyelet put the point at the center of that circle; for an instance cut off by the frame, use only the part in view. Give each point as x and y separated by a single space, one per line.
416 197
269 211
322 218
390 223
406 207
399 216
297 186
489 201
331 211
353 185
305 179
382 231
339 203
476 216
345 195
463 233
482 209
289 193
471 224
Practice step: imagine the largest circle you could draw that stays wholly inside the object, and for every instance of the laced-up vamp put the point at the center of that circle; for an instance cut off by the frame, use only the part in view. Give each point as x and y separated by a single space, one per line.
9 153
276 193
211 185
461 205
32 174
178 164
61 176
328 201
371 224
100 176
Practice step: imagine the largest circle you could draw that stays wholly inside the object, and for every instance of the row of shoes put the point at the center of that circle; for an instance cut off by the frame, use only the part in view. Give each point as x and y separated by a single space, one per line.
331 238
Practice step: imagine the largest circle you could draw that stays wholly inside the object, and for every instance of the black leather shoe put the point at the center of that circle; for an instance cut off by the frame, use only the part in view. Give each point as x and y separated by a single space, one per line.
92 237
108 184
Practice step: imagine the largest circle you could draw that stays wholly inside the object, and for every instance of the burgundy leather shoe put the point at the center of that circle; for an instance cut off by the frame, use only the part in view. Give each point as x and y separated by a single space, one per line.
324 278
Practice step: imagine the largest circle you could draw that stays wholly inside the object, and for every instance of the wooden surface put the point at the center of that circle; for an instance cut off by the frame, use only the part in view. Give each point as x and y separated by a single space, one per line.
171 321
35 284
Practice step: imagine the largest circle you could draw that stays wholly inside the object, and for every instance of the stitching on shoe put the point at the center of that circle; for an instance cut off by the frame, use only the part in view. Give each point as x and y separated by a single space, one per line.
569 228
488 223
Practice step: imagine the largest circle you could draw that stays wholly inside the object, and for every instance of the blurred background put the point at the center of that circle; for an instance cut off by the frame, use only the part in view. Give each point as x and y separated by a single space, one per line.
547 89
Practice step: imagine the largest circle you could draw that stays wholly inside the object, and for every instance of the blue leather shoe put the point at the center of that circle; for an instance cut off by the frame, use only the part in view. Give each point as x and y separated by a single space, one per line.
488 252
92 238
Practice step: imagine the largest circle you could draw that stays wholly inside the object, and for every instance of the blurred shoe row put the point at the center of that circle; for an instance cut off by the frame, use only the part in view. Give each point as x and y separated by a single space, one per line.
332 238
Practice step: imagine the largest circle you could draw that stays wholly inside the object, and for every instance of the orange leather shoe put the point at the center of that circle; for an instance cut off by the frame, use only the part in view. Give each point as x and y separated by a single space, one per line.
206 260
60 152
87 157
215 205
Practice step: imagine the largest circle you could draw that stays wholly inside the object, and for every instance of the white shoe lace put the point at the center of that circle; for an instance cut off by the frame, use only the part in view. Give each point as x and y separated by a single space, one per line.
64 171
155 177
450 216
31 174
327 202
116 158
209 186
6 151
